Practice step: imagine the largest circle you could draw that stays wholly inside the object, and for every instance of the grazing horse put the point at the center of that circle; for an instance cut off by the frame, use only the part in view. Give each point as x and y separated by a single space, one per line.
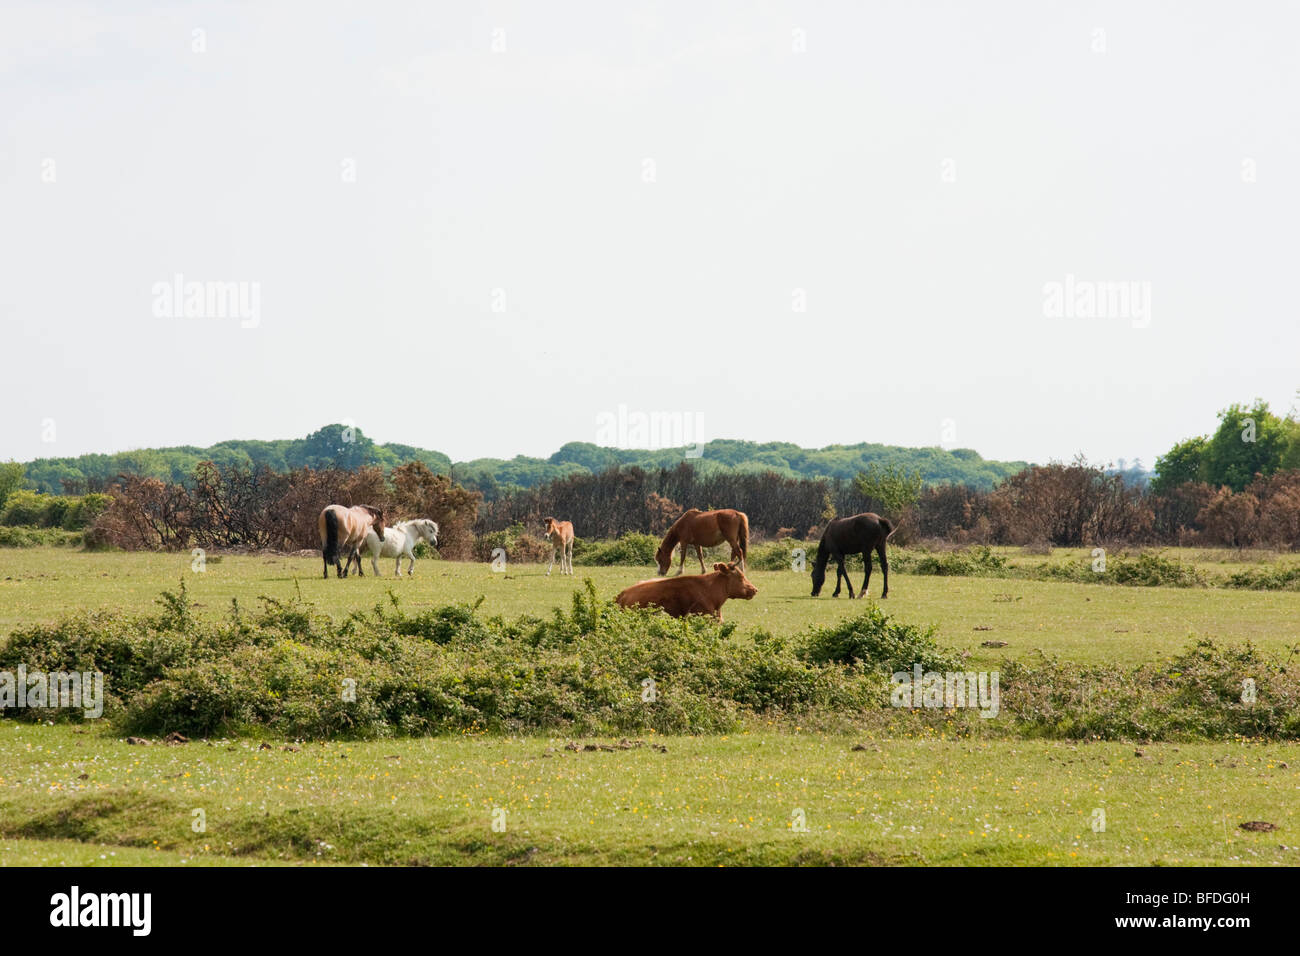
399 542
860 534
704 529
561 535
342 530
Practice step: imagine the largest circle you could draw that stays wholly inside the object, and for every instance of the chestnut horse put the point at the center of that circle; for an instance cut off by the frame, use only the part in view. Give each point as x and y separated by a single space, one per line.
343 530
860 534
560 534
704 529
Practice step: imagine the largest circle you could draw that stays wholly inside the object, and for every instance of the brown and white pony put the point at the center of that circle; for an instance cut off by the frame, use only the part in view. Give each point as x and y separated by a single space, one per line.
343 530
561 535
704 529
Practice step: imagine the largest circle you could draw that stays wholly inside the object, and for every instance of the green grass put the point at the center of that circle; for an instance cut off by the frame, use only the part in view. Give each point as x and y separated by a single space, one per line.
1080 622
71 795
706 802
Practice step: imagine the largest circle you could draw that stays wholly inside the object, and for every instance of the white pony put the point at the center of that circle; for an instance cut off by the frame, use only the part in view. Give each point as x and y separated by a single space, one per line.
399 542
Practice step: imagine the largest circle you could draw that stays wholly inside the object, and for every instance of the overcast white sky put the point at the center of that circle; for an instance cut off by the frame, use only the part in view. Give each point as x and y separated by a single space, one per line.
920 171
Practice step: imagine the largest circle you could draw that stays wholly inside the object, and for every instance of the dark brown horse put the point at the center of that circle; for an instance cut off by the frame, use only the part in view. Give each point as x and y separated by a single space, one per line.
343 531
860 534
704 529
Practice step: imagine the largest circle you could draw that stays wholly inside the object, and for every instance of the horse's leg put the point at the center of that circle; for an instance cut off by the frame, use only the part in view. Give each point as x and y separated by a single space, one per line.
699 553
682 567
570 549
839 573
866 562
884 569
552 564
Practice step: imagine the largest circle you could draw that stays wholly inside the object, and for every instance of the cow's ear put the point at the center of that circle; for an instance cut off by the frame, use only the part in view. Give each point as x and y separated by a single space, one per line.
719 567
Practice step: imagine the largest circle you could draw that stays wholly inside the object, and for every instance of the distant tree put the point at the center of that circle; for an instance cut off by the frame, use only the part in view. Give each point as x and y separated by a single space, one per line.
896 488
336 446
1248 442
1182 463
11 479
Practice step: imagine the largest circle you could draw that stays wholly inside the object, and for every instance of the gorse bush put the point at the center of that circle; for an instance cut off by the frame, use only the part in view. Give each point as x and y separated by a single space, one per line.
285 669
873 641
1153 570
1284 577
1206 691
778 555
979 560
1144 570
517 543
21 537
630 550
594 668
69 512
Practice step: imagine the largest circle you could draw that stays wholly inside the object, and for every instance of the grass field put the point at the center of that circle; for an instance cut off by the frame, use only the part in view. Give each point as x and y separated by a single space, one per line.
79 795
71 795
1079 622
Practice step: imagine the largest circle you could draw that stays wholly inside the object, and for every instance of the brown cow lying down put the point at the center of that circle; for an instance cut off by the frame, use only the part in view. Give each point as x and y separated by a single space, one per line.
690 593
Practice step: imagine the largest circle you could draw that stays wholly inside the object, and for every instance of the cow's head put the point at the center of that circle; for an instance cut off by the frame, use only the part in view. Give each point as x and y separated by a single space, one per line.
378 523
738 585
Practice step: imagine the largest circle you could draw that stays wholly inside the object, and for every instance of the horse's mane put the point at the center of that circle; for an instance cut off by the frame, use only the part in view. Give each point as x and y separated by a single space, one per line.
689 513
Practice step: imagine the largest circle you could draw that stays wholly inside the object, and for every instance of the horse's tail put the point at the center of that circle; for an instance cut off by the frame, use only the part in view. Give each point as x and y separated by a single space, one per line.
330 550
743 535
889 527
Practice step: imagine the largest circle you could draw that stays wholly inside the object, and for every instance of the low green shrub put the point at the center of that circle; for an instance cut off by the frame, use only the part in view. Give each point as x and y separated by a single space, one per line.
32 537
36 509
594 668
875 642
286 670
631 550
1153 571
1280 577
1205 692
973 562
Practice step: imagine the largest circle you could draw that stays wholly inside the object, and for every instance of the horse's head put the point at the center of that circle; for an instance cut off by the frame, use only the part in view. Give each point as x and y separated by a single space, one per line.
550 526
819 577
664 556
738 585
377 525
430 531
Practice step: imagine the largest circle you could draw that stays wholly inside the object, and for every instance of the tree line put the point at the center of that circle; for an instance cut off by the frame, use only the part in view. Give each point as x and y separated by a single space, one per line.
1238 487
349 448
